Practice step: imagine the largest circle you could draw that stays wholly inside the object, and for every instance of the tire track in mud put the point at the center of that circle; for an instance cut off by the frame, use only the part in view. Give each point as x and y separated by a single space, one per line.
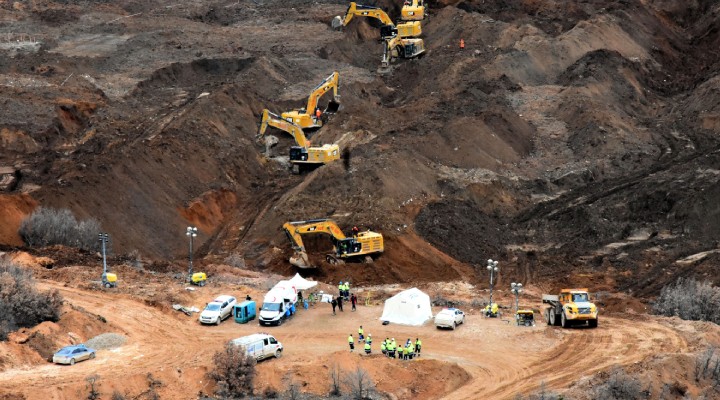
616 342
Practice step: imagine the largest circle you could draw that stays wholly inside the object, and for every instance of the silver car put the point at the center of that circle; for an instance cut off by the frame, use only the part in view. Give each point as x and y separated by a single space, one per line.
72 354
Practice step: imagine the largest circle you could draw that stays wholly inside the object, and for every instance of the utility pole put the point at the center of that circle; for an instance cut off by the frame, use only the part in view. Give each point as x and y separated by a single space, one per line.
191 232
492 267
516 288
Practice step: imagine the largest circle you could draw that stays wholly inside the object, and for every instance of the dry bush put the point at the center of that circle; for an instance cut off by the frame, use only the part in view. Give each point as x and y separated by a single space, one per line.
47 226
234 372
689 300
707 365
335 380
21 305
619 385
359 384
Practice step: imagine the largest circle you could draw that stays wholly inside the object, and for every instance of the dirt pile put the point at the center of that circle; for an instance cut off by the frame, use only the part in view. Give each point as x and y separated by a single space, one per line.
562 140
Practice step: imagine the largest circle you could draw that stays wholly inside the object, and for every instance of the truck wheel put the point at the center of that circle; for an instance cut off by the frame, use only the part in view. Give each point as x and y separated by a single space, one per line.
563 320
593 323
280 321
72 361
278 353
547 316
551 317
219 320
454 325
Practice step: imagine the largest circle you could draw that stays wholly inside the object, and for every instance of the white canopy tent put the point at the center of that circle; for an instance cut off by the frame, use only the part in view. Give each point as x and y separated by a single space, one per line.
301 283
409 307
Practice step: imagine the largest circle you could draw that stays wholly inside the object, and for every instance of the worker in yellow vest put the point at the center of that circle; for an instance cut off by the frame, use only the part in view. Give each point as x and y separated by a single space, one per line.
351 342
361 336
341 287
383 347
406 351
418 345
367 348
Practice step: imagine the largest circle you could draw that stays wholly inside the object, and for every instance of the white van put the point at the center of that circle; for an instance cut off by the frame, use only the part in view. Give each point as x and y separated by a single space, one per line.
260 346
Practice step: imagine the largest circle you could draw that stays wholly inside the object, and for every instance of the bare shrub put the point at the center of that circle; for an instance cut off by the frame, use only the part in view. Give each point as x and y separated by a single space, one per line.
359 384
117 396
440 301
91 384
619 385
47 226
234 372
270 393
707 365
293 390
690 300
335 380
21 305
541 394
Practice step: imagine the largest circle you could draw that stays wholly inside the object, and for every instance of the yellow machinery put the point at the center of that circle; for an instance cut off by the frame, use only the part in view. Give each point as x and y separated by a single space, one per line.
387 30
306 117
302 153
413 10
362 244
525 317
198 278
570 307
491 311
109 280
398 47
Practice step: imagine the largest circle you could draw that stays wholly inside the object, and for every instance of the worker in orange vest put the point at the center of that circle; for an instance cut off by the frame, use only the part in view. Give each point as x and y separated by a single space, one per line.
462 44
318 113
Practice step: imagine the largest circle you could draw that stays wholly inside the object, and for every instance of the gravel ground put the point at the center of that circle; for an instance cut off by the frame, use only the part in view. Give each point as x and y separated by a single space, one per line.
106 341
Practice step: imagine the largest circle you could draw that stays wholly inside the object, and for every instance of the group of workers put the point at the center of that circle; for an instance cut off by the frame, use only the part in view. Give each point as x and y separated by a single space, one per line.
388 347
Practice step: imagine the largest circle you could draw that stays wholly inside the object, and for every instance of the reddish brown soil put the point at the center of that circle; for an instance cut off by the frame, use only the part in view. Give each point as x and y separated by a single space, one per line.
576 143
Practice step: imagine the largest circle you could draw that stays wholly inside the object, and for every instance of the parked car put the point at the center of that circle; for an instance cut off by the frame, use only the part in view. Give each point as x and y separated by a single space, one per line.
260 346
217 310
449 318
72 354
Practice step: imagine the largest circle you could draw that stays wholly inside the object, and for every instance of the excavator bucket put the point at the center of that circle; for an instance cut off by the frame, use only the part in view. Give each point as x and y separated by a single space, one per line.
385 69
332 107
300 260
337 22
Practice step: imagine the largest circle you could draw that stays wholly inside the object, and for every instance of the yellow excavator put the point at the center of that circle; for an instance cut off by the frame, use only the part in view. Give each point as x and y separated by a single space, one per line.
305 117
387 30
413 10
398 47
360 244
303 153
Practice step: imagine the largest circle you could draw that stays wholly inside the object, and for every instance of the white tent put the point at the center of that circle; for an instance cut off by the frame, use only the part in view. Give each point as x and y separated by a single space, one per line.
409 307
301 283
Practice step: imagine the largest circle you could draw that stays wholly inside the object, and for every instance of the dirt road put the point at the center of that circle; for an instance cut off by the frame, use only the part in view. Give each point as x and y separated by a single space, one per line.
501 360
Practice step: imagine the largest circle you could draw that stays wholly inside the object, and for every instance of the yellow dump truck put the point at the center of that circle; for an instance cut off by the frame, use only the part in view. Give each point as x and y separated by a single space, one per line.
570 307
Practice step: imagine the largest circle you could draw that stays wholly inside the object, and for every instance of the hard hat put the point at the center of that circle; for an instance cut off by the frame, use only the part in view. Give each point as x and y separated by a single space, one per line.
340 282
369 334
347 283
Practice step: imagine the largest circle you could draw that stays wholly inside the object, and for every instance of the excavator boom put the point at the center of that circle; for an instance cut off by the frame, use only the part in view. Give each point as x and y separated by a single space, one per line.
364 243
331 82
271 119
305 117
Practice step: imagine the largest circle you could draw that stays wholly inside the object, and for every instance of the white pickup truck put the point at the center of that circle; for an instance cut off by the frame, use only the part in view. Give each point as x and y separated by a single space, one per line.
449 318
217 310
